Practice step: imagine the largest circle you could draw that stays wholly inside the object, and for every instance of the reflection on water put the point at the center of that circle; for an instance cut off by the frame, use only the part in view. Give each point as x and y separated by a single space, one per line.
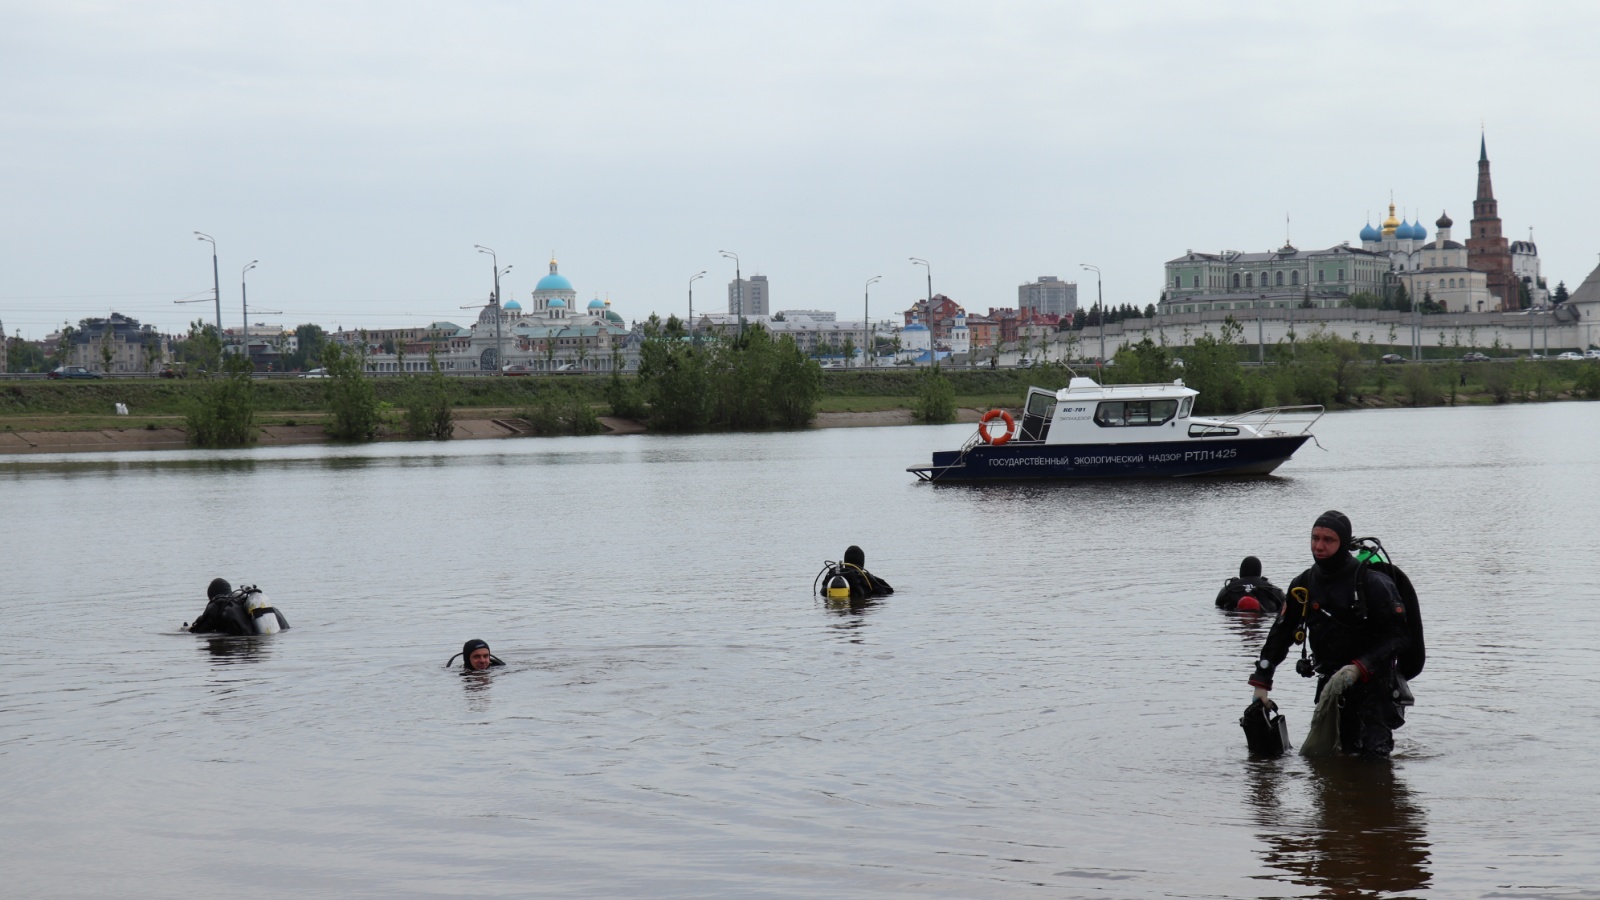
1250 625
852 617
475 685
1349 827
229 651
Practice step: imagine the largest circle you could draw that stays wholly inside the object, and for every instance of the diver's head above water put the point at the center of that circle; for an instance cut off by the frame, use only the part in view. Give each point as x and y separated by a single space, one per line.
219 587
854 556
1250 568
475 656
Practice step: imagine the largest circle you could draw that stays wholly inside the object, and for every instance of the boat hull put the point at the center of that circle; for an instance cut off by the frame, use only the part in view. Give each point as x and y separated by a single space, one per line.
1164 459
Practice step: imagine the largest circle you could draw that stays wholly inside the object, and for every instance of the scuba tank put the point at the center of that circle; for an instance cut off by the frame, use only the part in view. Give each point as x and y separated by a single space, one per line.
838 588
261 611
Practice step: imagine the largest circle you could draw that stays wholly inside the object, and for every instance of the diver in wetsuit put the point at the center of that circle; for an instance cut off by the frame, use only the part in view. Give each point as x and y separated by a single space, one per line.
475 657
1354 634
863 584
1251 591
231 612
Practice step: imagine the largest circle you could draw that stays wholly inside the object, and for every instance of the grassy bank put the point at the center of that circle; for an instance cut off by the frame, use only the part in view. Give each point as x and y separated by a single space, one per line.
90 405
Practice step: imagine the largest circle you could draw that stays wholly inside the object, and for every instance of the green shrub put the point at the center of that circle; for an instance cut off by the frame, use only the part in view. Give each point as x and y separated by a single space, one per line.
1588 384
223 414
624 397
1499 380
935 402
350 395
428 414
561 412
1421 388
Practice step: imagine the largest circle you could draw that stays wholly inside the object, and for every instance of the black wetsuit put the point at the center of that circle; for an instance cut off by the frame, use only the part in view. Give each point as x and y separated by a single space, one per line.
863 584
1269 595
1344 630
227 614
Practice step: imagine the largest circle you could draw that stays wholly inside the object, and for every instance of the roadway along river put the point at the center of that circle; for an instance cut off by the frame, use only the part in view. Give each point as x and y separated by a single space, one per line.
1047 707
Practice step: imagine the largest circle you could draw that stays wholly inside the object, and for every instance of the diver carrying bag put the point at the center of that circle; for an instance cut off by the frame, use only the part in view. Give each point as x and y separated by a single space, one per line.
1371 555
1265 729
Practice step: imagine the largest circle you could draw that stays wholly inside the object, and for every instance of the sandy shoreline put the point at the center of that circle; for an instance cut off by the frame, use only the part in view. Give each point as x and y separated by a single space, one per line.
465 429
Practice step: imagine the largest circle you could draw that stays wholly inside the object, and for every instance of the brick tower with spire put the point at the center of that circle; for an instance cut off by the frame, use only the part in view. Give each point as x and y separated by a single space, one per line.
1487 249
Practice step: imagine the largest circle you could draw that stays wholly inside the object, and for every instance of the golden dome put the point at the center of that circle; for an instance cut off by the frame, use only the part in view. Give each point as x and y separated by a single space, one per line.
1391 223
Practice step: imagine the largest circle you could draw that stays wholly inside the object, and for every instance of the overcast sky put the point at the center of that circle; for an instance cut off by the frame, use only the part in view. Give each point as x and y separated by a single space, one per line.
360 149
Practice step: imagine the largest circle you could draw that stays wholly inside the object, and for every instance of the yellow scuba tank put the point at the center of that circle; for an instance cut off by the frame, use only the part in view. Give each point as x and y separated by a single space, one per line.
838 588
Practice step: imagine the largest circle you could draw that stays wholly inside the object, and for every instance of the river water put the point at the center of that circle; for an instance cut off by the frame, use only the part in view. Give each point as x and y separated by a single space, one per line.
1047 706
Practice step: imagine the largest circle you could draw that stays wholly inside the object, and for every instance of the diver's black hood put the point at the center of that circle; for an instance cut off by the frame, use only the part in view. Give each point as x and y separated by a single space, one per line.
1338 523
466 654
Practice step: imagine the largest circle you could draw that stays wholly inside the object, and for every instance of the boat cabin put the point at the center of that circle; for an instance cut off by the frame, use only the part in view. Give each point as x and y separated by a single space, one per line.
1086 412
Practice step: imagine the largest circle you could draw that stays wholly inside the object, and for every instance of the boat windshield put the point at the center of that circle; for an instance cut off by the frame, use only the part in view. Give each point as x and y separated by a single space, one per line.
1183 407
1134 413
1041 403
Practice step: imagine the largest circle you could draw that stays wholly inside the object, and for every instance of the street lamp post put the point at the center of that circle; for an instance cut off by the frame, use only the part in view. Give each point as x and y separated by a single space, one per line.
494 262
244 307
1099 304
216 282
696 277
867 354
738 288
927 312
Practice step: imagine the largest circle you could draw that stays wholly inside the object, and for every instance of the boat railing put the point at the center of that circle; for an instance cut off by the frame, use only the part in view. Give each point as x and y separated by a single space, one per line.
1278 420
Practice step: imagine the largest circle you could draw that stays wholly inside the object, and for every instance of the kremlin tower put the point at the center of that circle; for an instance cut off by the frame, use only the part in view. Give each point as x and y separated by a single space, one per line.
1487 249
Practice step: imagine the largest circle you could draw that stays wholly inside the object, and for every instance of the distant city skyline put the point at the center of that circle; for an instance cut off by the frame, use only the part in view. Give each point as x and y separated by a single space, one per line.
360 151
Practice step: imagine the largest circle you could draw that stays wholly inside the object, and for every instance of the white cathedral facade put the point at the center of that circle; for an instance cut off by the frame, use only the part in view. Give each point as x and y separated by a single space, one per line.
552 335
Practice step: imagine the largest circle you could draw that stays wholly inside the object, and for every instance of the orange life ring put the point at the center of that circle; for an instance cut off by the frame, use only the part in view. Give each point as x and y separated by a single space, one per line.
990 416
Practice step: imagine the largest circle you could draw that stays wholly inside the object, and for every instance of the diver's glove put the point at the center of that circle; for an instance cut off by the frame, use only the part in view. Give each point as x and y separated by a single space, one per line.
1343 679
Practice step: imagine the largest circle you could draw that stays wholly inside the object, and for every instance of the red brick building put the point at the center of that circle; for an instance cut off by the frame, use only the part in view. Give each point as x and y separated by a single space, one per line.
1016 324
940 320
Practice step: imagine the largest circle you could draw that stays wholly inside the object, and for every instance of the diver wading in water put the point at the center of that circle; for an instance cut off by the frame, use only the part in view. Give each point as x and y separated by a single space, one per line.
242 612
1251 591
850 580
1354 621
475 657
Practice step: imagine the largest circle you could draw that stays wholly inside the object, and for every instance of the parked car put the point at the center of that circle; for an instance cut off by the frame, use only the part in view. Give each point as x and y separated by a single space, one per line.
1474 357
1025 363
1570 355
315 373
567 369
1591 354
74 372
516 370
1392 358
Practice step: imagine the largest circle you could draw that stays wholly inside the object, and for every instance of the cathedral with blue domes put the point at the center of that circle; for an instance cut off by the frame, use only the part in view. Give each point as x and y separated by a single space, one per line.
551 334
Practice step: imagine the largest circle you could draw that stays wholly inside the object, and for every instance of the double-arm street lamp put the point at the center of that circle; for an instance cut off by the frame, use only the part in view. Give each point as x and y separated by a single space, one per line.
216 282
927 314
1099 302
867 354
692 279
494 301
244 308
738 288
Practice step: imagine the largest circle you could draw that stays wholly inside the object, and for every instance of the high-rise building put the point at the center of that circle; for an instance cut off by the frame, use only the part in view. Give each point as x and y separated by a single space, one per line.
749 297
1049 295
1487 249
